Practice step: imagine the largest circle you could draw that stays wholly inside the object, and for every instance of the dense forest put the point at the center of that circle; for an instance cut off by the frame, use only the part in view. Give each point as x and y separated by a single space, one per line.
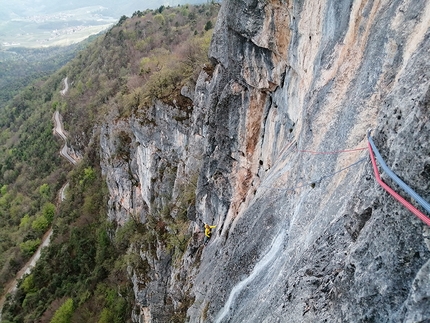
82 275
20 66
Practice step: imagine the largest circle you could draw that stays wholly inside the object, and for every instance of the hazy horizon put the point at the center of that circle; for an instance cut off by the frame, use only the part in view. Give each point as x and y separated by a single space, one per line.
46 23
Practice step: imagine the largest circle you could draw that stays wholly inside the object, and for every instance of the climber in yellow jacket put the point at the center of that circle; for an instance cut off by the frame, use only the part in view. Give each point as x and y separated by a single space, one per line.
208 231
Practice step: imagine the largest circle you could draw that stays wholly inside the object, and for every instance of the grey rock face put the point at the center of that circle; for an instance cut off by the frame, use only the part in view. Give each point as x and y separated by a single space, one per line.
301 236
146 161
298 239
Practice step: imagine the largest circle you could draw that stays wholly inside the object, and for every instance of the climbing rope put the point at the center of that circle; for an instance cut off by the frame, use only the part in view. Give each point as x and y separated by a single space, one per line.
330 152
372 149
316 181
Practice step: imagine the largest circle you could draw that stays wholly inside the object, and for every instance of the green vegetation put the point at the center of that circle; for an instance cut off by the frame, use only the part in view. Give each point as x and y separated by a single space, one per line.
73 280
82 276
64 313
139 60
21 66
30 174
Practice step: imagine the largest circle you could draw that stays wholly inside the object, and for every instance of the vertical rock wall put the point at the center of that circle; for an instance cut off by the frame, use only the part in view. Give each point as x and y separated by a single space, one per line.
147 160
300 237
306 237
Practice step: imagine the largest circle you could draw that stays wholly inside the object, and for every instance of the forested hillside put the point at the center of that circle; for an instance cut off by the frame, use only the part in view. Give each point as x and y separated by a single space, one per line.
30 174
20 66
148 56
82 276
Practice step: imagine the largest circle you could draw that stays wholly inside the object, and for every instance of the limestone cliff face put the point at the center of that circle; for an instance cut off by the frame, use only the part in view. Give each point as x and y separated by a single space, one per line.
301 237
147 159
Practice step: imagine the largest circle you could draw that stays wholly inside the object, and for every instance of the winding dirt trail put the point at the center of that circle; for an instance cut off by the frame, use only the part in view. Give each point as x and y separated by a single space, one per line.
46 239
66 87
58 129
11 286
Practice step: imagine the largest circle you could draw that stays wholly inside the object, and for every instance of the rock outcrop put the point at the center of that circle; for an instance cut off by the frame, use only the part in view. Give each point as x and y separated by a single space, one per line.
301 236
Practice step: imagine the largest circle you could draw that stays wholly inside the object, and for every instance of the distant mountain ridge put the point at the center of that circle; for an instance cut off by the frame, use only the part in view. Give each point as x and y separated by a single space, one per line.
58 23
23 8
